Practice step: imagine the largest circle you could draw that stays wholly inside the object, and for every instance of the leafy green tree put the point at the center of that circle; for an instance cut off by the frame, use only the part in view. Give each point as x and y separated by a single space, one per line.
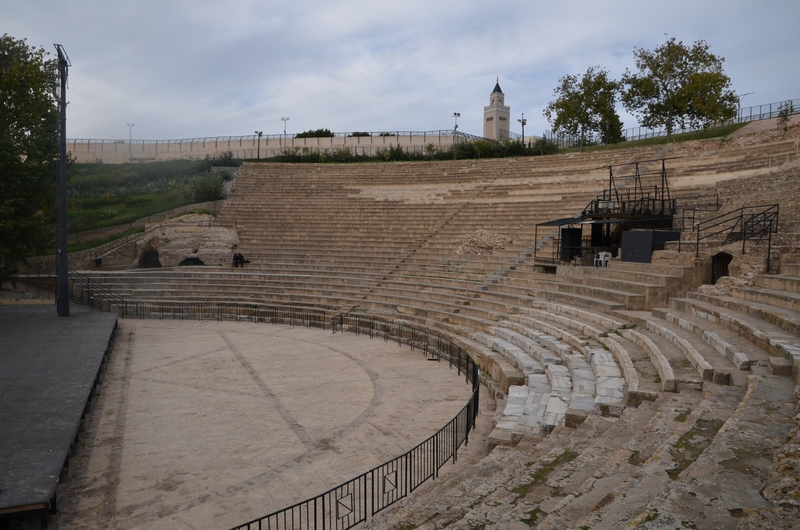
29 124
319 133
678 85
585 105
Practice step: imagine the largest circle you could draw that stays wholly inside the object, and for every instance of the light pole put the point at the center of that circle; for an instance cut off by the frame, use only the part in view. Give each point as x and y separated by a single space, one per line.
284 120
259 133
130 140
456 115
739 98
62 257
523 121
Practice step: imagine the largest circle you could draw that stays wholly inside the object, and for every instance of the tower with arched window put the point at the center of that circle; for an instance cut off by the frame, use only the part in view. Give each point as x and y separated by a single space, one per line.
496 115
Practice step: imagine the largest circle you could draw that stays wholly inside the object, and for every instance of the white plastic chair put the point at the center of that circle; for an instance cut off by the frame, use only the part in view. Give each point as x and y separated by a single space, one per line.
601 259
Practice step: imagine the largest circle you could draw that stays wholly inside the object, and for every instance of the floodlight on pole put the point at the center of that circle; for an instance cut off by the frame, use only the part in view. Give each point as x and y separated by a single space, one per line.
739 98
523 121
284 120
130 140
62 250
258 155
456 115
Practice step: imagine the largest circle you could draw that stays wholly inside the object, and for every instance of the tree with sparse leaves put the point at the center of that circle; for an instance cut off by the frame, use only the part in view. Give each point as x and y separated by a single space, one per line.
785 112
29 122
678 85
585 105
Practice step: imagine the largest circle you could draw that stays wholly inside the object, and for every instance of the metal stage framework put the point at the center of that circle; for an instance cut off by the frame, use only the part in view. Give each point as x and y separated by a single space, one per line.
637 197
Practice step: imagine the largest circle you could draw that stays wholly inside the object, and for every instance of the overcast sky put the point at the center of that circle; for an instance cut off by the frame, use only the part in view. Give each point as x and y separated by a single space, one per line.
198 68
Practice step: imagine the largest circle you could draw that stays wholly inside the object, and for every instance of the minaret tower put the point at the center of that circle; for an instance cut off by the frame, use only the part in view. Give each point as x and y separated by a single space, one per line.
496 115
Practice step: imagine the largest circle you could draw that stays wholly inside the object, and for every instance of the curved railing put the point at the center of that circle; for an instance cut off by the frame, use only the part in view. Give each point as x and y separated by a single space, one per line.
360 498
353 502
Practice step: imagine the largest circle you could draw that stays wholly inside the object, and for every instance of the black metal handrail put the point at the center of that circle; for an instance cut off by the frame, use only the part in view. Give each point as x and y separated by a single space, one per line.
754 223
93 293
230 311
354 501
727 222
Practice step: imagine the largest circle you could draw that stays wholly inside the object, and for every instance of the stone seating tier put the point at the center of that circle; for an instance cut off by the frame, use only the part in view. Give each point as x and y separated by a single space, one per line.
752 322
607 470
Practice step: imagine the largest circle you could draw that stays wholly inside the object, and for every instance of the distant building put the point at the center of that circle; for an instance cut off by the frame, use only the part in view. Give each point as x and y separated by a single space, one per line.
496 115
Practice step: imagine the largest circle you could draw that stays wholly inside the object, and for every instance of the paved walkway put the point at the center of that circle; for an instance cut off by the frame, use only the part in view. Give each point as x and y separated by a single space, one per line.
208 425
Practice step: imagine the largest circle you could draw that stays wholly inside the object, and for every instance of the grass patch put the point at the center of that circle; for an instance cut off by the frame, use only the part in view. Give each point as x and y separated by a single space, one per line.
533 516
636 459
104 195
682 415
98 242
692 444
539 477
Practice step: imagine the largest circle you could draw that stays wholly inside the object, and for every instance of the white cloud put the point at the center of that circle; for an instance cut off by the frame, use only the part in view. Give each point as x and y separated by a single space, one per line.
195 68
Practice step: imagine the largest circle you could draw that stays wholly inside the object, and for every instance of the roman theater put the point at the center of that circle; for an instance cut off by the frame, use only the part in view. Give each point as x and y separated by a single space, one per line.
607 339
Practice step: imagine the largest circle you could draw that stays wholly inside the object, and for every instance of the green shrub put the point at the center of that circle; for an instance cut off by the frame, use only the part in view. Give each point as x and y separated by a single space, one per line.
318 133
210 187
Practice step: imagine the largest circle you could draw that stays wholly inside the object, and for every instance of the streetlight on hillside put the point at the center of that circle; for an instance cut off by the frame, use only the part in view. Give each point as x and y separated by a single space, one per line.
259 133
739 98
456 115
523 121
284 120
130 140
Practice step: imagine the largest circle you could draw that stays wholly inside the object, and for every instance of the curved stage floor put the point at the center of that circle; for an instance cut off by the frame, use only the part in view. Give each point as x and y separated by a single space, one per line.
209 424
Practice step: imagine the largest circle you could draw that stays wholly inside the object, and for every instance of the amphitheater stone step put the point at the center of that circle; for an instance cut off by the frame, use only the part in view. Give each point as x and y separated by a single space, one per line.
791 269
784 305
684 369
623 487
744 319
724 482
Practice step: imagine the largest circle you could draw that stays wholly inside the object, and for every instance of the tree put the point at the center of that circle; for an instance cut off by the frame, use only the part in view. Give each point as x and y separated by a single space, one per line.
585 105
319 133
785 112
29 122
677 84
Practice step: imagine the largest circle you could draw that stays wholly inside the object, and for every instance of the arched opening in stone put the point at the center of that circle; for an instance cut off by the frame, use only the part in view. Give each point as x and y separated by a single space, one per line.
719 266
190 261
150 260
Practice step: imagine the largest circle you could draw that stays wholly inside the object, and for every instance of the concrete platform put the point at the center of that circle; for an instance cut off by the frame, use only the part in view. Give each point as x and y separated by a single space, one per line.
209 424
48 370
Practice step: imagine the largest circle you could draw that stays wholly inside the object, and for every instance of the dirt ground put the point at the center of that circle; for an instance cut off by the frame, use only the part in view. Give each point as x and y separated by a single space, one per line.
209 425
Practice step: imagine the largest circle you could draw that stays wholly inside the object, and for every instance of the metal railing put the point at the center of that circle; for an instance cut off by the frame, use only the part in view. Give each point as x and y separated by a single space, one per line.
93 294
629 203
743 115
749 223
231 141
360 498
226 311
352 502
